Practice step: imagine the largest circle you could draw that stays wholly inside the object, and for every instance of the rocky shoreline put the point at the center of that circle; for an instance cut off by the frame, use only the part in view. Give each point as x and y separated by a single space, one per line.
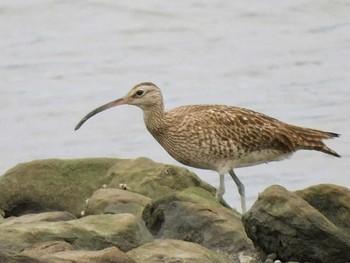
118 210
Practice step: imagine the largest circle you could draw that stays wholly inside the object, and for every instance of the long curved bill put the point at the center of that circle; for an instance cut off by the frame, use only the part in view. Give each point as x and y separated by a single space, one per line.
117 102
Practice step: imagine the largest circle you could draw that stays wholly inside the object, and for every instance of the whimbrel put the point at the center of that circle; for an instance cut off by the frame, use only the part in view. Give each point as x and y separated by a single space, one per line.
218 137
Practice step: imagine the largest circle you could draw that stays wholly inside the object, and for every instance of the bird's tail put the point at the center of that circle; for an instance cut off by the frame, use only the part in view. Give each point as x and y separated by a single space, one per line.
311 139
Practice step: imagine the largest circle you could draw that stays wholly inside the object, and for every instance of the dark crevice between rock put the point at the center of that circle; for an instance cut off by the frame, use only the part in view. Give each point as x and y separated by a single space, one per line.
153 218
25 208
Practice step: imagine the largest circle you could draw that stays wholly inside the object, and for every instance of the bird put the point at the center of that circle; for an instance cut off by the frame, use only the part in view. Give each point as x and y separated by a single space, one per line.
218 137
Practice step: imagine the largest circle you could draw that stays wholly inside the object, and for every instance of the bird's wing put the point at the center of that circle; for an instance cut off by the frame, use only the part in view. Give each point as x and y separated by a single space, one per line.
253 130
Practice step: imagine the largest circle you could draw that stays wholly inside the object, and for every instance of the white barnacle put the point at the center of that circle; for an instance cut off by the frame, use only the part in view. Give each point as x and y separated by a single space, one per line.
123 186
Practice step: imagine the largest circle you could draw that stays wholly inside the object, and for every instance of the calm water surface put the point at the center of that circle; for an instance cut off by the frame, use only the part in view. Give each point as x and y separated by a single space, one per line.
60 59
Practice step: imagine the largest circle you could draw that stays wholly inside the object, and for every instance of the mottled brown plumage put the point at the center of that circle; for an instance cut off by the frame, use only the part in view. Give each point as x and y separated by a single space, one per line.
218 137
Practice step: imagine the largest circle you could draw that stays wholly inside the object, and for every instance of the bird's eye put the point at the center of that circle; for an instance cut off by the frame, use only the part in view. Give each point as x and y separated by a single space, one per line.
140 92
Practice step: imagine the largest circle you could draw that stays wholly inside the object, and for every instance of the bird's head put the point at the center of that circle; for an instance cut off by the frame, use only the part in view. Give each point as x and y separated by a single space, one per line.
144 95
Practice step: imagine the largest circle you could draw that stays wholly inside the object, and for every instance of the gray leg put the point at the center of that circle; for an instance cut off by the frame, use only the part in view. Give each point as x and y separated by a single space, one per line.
221 189
241 190
220 192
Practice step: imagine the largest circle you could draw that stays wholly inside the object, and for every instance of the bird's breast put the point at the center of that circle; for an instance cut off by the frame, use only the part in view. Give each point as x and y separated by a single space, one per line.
196 148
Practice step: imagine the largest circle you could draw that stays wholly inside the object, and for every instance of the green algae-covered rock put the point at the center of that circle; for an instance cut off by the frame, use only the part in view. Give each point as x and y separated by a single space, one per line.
63 252
152 179
170 251
52 185
282 222
45 216
115 201
42 200
124 231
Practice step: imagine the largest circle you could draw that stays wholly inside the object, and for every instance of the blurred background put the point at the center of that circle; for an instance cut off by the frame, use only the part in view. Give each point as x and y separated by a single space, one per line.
61 59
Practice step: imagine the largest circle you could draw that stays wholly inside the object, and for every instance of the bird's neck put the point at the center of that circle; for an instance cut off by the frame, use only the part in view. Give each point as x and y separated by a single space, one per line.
154 118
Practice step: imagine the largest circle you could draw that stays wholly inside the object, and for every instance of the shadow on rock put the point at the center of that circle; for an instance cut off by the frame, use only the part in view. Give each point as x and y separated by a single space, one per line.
194 215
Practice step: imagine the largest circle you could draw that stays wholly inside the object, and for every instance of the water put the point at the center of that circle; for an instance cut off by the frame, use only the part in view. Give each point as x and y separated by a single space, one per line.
61 59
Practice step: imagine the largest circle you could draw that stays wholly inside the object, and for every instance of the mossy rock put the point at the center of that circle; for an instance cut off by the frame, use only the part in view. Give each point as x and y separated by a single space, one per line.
155 180
53 184
116 201
282 222
95 232
169 251
64 185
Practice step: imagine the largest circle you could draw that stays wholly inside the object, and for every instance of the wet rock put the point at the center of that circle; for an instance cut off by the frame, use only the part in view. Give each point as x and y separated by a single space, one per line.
194 215
282 222
61 252
152 179
52 185
171 251
115 201
124 231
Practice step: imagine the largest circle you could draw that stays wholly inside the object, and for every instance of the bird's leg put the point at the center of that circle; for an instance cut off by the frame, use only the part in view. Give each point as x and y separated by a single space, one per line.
241 190
221 189
220 192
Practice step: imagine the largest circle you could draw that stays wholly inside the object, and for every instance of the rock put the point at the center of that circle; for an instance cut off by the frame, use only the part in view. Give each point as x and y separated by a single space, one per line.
52 185
47 247
194 215
282 222
60 252
2 215
106 255
43 251
152 179
171 251
46 216
64 185
124 231
115 201
7 258
332 201
270 258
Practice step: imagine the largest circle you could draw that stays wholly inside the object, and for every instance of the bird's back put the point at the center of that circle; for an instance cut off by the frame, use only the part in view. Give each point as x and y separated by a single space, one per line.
219 137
